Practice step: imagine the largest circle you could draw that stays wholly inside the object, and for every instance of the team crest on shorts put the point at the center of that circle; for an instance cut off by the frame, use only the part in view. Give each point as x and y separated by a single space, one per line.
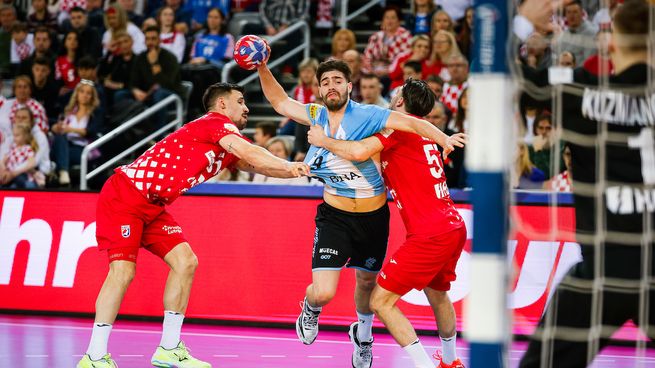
125 231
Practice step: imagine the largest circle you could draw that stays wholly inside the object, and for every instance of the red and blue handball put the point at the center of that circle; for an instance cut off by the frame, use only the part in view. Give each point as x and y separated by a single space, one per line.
251 51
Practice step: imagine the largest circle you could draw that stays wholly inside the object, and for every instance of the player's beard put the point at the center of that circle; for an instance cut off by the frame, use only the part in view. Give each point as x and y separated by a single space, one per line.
333 105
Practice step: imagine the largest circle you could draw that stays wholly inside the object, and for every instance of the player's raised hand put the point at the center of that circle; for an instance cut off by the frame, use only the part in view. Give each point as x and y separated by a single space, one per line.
316 135
298 169
540 12
455 140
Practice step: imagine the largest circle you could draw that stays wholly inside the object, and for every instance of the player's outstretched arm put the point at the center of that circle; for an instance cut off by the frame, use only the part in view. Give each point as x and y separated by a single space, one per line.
283 104
350 150
410 124
257 159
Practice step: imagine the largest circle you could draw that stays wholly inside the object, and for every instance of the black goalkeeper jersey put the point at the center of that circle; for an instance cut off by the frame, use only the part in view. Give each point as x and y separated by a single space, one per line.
614 124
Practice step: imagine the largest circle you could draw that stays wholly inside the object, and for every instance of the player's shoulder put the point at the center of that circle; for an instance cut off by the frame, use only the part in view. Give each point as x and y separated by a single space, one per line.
213 120
314 110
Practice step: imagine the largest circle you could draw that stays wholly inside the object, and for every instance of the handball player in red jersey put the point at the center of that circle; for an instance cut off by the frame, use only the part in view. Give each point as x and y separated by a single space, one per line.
131 214
436 233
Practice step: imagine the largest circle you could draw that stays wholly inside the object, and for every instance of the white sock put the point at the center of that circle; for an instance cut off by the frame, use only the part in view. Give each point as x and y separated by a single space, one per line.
170 337
312 308
448 345
99 339
365 327
419 356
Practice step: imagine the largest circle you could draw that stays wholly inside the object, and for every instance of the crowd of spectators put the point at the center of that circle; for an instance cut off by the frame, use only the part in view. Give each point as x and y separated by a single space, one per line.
77 66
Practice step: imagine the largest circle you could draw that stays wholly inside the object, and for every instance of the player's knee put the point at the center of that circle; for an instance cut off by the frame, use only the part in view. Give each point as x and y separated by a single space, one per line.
122 273
379 303
323 297
188 264
366 282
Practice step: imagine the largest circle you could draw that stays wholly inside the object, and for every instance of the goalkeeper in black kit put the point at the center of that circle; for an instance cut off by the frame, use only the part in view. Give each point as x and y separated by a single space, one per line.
609 127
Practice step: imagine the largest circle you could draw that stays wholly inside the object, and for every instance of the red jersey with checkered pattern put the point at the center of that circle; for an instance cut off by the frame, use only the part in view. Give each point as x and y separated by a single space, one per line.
413 172
40 118
451 94
561 182
182 160
383 47
18 155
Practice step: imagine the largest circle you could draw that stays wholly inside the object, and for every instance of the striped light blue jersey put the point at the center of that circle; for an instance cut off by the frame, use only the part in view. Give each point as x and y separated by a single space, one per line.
340 176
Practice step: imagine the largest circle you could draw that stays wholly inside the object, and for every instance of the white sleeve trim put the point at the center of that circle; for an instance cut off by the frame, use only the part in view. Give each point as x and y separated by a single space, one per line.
523 28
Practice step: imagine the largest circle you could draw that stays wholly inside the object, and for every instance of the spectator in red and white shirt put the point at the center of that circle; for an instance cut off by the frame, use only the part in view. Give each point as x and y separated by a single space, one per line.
17 165
444 46
65 63
562 182
23 97
42 152
171 40
458 68
385 45
419 52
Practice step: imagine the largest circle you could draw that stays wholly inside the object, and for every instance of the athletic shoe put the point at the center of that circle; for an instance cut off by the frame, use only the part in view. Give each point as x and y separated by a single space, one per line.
363 354
455 364
178 357
307 324
104 362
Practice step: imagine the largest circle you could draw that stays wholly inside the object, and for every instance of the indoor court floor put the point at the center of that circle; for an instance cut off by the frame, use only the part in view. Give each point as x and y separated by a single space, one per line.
56 342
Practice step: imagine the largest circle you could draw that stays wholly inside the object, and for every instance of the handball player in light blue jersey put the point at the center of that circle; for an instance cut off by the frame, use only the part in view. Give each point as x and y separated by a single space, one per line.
352 224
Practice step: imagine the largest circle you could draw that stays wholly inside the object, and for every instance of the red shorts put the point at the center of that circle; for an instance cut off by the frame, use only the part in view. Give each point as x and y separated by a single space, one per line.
126 221
424 262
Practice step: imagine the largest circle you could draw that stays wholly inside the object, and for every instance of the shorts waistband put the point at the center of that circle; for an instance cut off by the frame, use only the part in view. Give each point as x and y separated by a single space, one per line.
384 208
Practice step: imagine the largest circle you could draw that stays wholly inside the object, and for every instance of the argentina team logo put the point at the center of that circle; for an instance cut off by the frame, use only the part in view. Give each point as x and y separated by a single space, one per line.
125 231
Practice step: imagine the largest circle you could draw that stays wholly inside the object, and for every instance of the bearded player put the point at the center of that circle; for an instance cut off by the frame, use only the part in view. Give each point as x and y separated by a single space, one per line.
131 214
436 233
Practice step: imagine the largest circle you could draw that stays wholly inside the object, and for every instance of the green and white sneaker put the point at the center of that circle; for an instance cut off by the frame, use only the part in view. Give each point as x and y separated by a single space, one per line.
178 357
104 362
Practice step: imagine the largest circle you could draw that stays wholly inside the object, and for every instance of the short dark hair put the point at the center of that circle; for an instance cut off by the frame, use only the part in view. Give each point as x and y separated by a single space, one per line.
19 27
632 18
151 29
369 76
77 9
394 9
419 98
216 90
87 62
43 29
42 60
268 128
415 65
330 65
541 117
434 78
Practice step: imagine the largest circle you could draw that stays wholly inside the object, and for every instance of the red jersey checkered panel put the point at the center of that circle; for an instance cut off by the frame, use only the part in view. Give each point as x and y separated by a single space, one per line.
183 159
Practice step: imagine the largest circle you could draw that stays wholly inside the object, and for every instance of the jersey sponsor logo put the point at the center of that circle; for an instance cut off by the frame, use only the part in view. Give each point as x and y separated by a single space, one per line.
370 262
172 229
627 200
125 231
393 261
344 177
619 108
329 251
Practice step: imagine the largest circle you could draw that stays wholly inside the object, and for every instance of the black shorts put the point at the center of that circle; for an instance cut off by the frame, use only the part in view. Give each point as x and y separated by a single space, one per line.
352 239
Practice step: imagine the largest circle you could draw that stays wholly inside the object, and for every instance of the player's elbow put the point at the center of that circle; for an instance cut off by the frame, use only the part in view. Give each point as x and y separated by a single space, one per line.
360 154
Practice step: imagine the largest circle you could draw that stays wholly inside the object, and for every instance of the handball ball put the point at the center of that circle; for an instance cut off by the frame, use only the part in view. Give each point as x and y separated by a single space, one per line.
250 52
